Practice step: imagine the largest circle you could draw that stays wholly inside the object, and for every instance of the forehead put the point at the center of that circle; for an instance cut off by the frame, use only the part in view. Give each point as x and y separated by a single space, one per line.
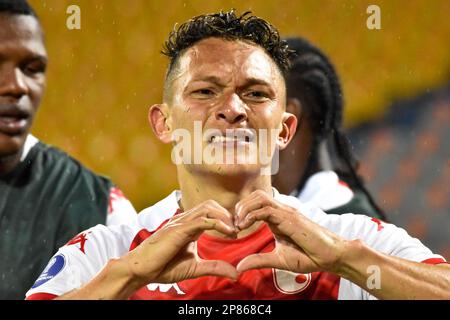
228 59
20 32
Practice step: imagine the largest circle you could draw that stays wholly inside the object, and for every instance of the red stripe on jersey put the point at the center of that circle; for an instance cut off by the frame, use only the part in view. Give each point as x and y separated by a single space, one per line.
434 261
81 239
41 296
342 183
379 224
115 194
139 238
144 233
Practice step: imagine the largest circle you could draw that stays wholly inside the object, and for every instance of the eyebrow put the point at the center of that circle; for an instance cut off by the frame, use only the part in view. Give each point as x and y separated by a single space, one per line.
219 81
40 57
213 79
29 57
256 81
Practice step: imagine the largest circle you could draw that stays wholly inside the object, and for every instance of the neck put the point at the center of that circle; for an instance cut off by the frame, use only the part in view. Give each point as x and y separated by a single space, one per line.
227 190
320 161
8 163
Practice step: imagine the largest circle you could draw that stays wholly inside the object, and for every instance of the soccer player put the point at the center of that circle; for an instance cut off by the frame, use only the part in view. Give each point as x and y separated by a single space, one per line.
45 195
227 234
318 165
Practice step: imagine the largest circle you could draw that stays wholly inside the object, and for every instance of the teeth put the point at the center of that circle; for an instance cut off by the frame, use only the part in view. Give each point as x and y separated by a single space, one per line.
222 139
9 119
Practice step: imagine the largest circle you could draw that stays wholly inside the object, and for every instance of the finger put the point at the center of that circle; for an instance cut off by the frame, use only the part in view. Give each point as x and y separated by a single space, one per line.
209 209
216 211
259 261
195 228
169 241
215 268
268 214
256 200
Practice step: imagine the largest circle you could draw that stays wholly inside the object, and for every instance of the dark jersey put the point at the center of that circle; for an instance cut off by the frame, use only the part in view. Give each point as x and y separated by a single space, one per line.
47 199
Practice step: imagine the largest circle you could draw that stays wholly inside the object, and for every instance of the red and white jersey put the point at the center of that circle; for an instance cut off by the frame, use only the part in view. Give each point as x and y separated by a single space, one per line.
84 256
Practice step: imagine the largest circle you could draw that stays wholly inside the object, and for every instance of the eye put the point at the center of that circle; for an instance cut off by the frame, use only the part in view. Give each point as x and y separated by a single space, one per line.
34 67
203 93
257 95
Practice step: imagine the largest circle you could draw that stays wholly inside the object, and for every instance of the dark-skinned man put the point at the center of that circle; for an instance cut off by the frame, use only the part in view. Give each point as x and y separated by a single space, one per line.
45 195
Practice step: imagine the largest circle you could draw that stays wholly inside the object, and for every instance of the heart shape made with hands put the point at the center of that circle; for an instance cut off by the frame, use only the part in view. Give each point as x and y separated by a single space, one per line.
301 246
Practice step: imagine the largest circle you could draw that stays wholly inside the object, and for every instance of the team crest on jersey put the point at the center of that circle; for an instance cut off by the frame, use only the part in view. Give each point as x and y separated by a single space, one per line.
290 282
51 270
164 287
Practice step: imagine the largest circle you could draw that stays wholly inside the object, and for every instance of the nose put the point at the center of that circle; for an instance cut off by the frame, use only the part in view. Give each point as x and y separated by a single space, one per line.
233 110
12 82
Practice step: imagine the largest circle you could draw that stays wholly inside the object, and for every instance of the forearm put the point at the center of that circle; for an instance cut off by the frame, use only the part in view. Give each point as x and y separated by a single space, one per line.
113 282
399 278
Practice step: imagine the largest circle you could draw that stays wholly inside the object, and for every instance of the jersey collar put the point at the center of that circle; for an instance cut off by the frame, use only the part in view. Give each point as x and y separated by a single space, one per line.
30 142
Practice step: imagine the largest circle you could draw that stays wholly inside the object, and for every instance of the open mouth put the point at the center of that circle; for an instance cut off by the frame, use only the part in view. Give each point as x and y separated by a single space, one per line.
232 137
13 121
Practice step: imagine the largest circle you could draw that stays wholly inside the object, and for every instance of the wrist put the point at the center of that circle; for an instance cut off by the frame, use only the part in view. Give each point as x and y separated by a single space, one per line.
351 257
127 283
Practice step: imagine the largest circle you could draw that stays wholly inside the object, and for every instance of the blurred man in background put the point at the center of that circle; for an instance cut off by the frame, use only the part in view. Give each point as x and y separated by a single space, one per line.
45 195
318 165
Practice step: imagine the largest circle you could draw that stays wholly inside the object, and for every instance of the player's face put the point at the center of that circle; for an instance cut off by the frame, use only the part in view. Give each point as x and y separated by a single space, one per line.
22 78
231 87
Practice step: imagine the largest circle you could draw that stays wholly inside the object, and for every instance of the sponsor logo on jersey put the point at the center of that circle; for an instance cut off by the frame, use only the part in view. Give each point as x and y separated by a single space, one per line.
290 282
51 270
164 287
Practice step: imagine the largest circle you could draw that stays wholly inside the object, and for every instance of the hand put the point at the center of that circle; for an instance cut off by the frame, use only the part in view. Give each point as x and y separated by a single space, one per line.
170 254
301 245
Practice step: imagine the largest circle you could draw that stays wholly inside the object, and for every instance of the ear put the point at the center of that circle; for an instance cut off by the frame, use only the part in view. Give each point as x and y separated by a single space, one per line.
157 116
289 127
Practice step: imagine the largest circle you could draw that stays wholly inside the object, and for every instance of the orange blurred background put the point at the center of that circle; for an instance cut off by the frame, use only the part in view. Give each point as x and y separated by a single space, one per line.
103 78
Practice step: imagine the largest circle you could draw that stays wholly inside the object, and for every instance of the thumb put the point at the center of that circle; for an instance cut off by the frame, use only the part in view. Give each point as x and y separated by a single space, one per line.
259 261
215 268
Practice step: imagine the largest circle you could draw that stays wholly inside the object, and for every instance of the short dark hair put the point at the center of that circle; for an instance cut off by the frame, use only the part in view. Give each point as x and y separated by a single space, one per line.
229 26
17 7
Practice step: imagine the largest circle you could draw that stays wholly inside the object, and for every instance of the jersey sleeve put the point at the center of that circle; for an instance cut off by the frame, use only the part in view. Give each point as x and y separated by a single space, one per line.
120 209
80 260
383 237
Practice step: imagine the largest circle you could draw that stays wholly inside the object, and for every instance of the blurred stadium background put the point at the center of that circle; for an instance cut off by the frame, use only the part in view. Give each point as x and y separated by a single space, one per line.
396 80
